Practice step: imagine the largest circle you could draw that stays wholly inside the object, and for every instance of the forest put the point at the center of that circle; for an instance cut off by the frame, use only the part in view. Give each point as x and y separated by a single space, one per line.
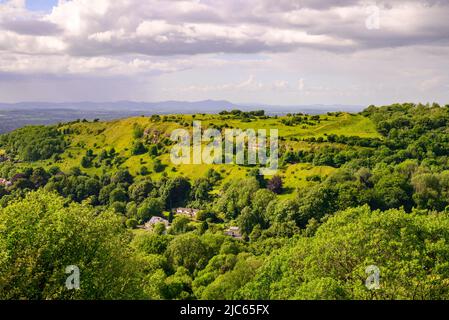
353 191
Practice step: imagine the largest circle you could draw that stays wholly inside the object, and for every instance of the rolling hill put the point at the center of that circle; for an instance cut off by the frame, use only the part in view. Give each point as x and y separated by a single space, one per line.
98 137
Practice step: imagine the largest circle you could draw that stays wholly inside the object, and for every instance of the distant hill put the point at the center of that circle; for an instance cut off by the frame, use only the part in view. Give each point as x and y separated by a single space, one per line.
16 115
120 136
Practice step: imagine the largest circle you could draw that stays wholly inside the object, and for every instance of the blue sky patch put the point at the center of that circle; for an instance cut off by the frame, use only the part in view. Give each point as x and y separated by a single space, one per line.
41 5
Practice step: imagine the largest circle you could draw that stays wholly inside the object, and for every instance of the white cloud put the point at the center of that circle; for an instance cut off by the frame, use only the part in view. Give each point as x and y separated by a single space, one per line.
249 85
301 84
94 66
326 42
156 27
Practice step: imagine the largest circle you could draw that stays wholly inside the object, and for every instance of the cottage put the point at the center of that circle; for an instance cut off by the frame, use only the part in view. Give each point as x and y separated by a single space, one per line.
5 183
154 220
234 232
189 212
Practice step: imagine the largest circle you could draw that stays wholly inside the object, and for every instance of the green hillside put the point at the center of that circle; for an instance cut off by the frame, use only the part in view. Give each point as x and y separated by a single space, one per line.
119 135
354 194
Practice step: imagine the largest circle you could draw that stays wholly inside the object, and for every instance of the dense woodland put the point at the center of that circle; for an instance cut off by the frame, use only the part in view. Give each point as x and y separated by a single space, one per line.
386 204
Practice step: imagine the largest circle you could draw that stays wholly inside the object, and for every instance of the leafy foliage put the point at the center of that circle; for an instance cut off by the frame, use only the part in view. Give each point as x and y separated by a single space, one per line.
33 143
41 235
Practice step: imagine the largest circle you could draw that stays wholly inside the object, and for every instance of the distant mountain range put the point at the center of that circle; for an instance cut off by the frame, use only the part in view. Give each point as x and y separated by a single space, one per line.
165 107
16 115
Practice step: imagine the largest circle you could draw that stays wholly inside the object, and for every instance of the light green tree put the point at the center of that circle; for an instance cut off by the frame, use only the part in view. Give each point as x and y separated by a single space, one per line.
41 235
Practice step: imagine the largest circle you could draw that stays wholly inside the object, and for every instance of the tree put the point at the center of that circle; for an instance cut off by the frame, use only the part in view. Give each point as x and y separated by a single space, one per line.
3 191
54 170
39 177
86 162
207 215
261 200
175 192
137 131
392 191
151 243
149 208
159 228
118 195
227 285
119 207
140 190
138 148
213 176
122 176
203 227
427 191
41 236
158 166
144 171
153 151
103 155
201 190
22 184
408 249
131 223
247 220
255 173
275 184
33 143
283 211
187 250
235 196
180 225
104 194
178 285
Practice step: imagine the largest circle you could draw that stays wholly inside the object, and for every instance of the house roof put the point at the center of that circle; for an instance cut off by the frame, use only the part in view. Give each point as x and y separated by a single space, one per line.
158 219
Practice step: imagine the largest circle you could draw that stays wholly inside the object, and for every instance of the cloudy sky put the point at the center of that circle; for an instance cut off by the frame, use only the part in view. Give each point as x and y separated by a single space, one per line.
267 51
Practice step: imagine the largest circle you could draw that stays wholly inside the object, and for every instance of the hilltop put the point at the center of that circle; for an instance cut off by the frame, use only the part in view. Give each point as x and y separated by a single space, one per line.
17 115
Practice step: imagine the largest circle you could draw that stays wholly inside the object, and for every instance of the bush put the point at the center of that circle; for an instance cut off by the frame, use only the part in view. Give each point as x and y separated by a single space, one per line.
158 166
131 223
138 148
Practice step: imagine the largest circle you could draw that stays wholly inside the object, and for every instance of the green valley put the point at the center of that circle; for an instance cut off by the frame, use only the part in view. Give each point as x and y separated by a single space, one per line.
353 193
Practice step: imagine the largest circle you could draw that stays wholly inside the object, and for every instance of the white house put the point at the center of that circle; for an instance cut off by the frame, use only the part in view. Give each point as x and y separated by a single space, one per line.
234 232
191 213
154 220
5 183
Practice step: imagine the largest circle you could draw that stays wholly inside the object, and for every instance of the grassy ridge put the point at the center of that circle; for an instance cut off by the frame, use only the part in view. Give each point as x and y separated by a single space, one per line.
118 134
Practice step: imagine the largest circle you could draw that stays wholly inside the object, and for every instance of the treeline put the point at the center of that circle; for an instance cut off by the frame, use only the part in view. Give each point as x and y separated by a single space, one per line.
243 114
300 119
327 155
326 261
135 199
33 143
413 131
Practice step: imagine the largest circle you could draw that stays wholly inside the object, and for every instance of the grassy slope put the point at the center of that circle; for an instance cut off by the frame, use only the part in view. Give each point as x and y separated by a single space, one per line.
119 135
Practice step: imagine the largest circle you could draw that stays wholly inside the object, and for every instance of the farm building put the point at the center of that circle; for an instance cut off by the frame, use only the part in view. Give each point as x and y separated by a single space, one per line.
189 212
155 220
5 183
234 232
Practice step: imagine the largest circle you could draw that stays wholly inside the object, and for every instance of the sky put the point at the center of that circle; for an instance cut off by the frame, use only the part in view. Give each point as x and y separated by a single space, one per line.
282 52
